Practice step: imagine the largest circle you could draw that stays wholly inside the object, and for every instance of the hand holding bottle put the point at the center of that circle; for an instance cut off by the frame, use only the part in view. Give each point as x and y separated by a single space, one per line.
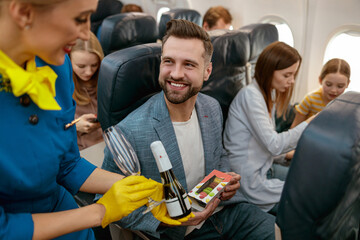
125 196
160 212
176 199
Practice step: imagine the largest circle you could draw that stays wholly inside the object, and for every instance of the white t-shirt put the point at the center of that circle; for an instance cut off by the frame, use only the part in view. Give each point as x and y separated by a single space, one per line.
188 136
190 143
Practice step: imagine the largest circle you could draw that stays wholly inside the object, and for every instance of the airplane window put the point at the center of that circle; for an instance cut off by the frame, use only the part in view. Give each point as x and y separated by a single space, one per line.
160 12
346 46
285 33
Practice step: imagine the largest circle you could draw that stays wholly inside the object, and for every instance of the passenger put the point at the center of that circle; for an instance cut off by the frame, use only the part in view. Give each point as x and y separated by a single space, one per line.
334 79
131 8
190 125
86 57
40 165
250 137
217 18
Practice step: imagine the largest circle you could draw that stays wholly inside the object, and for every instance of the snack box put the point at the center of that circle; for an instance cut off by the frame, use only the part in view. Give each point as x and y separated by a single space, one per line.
210 187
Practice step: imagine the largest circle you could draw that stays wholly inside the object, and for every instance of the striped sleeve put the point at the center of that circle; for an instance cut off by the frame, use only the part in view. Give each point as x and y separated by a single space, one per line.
304 106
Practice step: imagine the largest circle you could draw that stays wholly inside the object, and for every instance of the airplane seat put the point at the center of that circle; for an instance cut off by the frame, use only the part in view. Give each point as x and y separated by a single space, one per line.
217 32
321 197
127 78
179 13
105 8
260 35
127 29
231 53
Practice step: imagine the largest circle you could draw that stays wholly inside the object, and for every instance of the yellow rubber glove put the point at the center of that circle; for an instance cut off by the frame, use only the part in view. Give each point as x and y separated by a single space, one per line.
160 212
125 196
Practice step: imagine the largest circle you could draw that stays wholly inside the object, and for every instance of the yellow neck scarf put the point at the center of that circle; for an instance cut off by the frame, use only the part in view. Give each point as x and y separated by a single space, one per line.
37 82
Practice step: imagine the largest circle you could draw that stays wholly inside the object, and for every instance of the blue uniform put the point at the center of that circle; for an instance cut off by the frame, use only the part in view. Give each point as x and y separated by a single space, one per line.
40 164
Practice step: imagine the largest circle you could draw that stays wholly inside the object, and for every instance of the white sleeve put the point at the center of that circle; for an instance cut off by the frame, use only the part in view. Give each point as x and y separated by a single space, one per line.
254 109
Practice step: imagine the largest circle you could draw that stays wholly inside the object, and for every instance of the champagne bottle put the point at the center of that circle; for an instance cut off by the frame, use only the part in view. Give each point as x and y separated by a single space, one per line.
176 199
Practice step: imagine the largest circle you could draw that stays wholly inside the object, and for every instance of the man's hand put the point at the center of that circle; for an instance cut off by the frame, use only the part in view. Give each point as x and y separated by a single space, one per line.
232 187
203 215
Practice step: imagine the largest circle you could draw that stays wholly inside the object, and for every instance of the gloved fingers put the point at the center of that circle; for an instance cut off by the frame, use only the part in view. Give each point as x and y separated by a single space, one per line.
106 221
141 195
185 219
168 220
158 194
141 187
136 180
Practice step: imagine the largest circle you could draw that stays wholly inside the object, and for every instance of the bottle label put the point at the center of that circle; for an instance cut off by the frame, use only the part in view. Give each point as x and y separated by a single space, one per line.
174 208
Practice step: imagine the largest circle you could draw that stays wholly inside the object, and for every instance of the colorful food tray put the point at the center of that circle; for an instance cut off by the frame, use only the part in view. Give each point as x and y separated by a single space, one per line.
210 187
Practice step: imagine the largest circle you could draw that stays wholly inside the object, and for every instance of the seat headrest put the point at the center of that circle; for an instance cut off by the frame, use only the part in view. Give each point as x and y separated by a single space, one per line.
127 78
321 198
217 32
104 9
231 48
187 14
127 29
231 53
260 35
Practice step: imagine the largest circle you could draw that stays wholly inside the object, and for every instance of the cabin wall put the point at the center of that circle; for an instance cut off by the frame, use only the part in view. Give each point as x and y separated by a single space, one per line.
313 24
294 13
327 17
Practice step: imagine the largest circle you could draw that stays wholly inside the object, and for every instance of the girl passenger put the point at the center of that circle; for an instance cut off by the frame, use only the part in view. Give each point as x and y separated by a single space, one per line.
86 57
250 137
334 79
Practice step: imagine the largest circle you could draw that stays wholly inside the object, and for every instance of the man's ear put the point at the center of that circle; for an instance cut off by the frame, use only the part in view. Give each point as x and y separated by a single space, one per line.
208 71
22 13
320 81
206 26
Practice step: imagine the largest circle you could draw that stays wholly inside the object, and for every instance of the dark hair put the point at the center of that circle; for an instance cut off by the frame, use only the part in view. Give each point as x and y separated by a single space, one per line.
185 29
213 14
276 56
335 65
131 8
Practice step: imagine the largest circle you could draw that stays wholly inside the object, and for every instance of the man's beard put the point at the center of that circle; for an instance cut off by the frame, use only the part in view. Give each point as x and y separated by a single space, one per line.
176 98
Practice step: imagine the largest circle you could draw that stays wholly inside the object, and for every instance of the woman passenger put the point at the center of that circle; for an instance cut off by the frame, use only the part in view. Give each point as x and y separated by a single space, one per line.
250 137
86 57
40 165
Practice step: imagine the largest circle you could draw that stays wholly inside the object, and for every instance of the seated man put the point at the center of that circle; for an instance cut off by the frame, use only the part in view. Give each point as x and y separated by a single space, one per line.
189 124
217 18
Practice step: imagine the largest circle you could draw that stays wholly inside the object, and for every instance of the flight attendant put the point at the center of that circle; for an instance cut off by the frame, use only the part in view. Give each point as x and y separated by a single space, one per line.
40 165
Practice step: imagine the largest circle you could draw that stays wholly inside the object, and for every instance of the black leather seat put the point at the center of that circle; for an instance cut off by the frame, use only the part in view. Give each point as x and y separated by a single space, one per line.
127 78
127 29
187 14
105 8
321 196
231 53
260 36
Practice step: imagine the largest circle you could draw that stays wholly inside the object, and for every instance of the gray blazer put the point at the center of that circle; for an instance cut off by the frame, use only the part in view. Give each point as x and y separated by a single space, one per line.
152 122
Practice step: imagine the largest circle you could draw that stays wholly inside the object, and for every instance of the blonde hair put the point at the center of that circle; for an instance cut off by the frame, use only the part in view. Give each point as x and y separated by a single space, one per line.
36 3
92 46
